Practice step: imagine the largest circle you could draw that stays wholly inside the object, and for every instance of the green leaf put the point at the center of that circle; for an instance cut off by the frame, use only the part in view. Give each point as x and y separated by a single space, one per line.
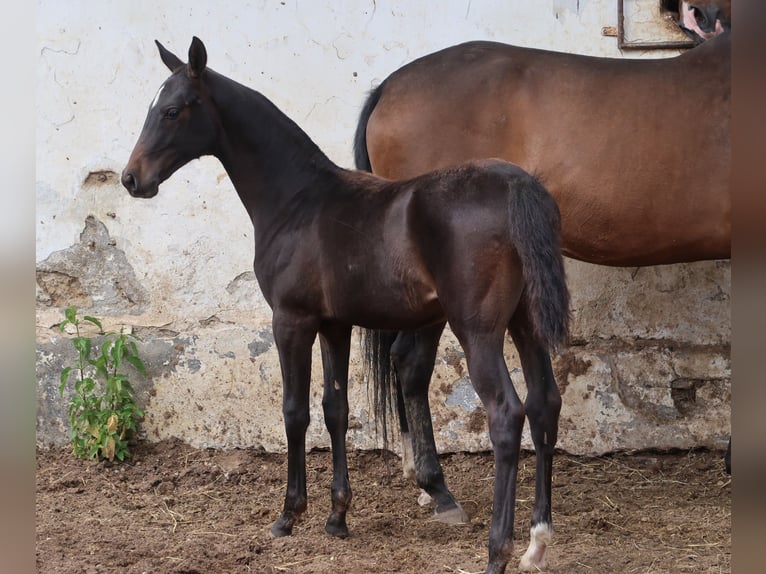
64 379
137 363
105 349
71 314
83 345
132 347
117 352
95 321
88 385
114 384
93 452
101 367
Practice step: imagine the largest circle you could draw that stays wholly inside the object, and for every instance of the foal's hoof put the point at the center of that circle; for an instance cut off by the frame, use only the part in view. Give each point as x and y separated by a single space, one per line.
534 559
282 527
453 515
337 530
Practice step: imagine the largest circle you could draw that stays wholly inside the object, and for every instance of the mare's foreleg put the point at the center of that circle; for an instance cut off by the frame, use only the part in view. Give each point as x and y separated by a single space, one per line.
335 343
294 337
414 355
543 405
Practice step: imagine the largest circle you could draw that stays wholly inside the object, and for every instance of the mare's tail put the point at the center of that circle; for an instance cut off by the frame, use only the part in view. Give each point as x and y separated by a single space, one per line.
382 381
381 376
535 226
361 157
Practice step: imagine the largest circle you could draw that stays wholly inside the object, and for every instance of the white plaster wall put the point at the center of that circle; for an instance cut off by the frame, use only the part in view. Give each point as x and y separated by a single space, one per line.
190 248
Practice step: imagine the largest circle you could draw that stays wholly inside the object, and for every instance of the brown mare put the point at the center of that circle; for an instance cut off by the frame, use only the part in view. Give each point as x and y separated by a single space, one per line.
704 19
636 153
477 245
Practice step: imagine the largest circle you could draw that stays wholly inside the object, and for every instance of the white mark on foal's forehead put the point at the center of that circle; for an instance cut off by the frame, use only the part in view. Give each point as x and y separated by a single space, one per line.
157 97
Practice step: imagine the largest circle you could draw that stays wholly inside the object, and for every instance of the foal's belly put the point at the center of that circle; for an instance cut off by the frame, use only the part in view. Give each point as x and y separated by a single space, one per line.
384 303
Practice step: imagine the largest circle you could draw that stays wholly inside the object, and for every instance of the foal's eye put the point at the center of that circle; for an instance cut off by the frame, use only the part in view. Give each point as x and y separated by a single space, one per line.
171 113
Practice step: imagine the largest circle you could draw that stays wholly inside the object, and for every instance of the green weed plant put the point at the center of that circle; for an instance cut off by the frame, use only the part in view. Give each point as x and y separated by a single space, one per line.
102 411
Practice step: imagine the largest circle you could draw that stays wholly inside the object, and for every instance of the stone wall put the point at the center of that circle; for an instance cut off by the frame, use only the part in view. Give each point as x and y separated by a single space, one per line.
649 363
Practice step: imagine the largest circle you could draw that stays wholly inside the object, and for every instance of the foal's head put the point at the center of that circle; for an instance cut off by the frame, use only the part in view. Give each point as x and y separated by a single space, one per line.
181 124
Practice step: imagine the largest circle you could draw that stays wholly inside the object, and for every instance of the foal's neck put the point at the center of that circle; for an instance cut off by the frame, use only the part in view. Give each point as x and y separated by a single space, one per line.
268 157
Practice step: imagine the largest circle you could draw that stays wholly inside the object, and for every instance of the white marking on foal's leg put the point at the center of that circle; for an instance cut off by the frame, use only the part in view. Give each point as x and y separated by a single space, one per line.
408 457
540 536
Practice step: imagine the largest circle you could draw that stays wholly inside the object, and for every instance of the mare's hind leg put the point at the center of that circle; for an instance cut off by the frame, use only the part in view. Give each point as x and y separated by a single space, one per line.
335 343
414 355
408 456
294 337
543 404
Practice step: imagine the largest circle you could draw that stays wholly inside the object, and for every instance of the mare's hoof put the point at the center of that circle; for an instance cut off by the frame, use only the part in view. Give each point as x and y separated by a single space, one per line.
337 530
282 527
453 515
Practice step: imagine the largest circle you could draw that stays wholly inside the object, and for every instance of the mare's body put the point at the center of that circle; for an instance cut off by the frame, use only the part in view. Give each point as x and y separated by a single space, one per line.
636 153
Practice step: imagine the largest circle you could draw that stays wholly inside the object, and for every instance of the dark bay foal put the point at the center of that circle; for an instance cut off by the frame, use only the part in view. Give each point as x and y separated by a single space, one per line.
476 246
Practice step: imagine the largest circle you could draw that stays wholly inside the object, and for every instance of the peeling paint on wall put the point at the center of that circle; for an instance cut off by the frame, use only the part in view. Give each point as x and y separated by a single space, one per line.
93 273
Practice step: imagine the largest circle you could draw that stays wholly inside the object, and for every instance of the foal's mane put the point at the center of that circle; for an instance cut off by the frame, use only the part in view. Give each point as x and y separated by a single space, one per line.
262 123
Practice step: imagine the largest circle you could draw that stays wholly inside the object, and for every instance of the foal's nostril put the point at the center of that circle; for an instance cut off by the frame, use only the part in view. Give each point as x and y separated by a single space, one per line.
129 181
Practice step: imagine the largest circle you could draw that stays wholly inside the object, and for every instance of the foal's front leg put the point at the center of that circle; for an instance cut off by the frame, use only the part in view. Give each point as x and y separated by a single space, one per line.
294 337
336 342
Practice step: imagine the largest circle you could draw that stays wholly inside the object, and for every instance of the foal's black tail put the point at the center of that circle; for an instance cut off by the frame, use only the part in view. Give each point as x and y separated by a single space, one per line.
535 227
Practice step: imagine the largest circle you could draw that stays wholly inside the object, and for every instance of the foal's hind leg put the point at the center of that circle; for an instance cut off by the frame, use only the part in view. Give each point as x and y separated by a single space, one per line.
414 355
505 418
335 343
543 405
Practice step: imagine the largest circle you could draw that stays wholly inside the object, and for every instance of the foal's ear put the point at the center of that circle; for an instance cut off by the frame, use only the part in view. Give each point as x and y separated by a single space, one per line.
197 58
172 61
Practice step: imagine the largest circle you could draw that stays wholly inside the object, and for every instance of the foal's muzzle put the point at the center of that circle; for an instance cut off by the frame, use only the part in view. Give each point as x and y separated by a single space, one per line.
130 183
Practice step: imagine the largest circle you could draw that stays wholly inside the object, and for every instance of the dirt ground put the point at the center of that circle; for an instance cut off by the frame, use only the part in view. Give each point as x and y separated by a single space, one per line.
175 509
